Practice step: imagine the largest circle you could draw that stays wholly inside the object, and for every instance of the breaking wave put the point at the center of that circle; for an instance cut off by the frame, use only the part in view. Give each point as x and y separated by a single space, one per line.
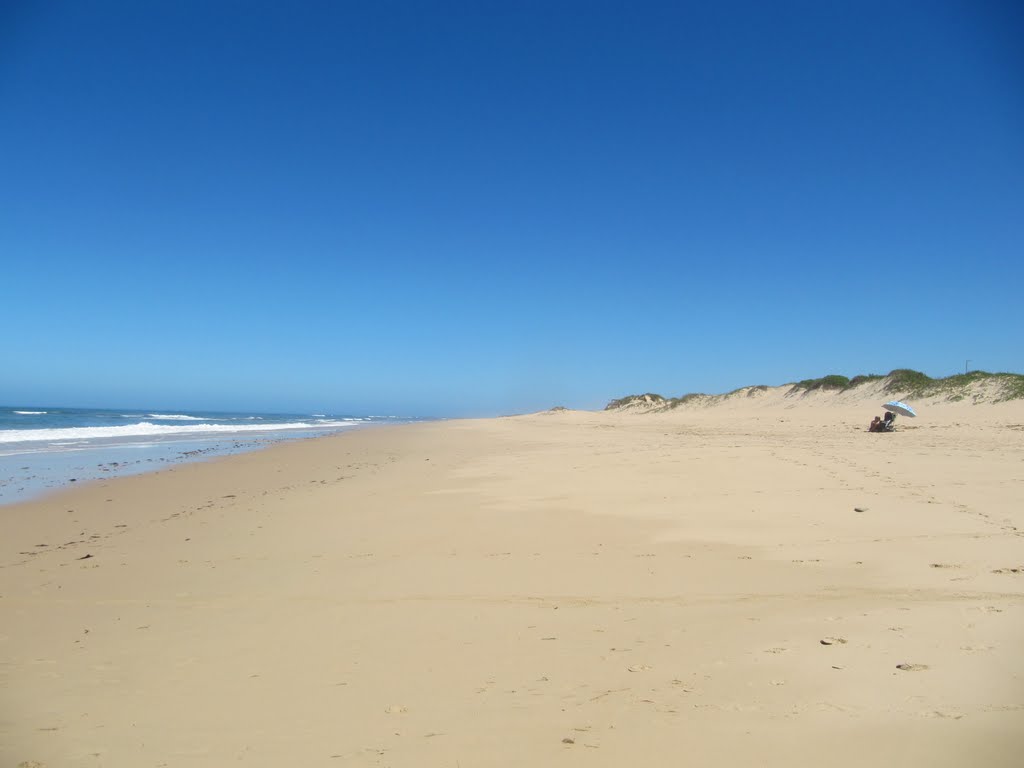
145 429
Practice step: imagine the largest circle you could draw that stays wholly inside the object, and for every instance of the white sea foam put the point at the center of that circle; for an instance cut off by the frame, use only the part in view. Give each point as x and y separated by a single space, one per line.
25 451
147 429
174 417
31 413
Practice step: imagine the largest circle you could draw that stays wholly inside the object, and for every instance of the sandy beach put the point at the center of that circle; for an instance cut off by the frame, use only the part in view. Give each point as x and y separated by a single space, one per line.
758 583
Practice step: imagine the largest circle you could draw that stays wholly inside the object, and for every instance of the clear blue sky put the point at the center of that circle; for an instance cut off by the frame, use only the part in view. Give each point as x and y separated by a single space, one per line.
476 208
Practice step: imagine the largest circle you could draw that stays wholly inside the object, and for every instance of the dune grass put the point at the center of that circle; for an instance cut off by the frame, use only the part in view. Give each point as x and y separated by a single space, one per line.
630 399
1009 386
831 382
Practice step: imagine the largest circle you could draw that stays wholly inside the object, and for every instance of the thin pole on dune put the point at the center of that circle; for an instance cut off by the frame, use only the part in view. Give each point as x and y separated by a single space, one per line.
966 363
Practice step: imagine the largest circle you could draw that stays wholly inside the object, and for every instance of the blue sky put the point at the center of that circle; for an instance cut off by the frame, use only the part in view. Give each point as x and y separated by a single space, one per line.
476 208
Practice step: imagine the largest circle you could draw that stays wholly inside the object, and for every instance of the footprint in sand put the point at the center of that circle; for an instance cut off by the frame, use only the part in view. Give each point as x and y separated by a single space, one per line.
833 641
912 667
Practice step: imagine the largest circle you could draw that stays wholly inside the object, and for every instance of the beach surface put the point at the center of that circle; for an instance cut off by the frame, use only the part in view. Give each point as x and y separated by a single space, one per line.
758 583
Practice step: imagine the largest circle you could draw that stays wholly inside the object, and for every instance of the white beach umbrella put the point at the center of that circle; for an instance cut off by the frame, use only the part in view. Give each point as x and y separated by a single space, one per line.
901 408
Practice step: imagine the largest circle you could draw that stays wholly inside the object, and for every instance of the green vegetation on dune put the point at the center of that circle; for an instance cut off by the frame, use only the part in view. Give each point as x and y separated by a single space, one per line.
902 381
748 391
1013 386
629 399
1009 386
835 382
649 398
907 380
865 378
831 382
687 398
911 383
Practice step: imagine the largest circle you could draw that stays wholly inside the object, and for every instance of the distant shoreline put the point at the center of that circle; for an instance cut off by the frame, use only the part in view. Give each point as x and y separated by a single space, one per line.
43 449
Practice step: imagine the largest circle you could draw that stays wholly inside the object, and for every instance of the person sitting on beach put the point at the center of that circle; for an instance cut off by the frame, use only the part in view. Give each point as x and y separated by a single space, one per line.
890 422
876 424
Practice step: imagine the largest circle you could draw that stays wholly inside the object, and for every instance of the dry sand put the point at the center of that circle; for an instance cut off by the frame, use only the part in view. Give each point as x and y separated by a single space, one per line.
750 584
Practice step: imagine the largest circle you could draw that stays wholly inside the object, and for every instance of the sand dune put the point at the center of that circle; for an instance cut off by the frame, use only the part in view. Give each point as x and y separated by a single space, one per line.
757 583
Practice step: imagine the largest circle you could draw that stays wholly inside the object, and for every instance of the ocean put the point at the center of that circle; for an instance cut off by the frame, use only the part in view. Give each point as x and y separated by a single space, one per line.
44 448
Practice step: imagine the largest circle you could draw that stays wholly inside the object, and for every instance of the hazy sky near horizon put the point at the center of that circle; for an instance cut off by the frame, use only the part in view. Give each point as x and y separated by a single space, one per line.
472 208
